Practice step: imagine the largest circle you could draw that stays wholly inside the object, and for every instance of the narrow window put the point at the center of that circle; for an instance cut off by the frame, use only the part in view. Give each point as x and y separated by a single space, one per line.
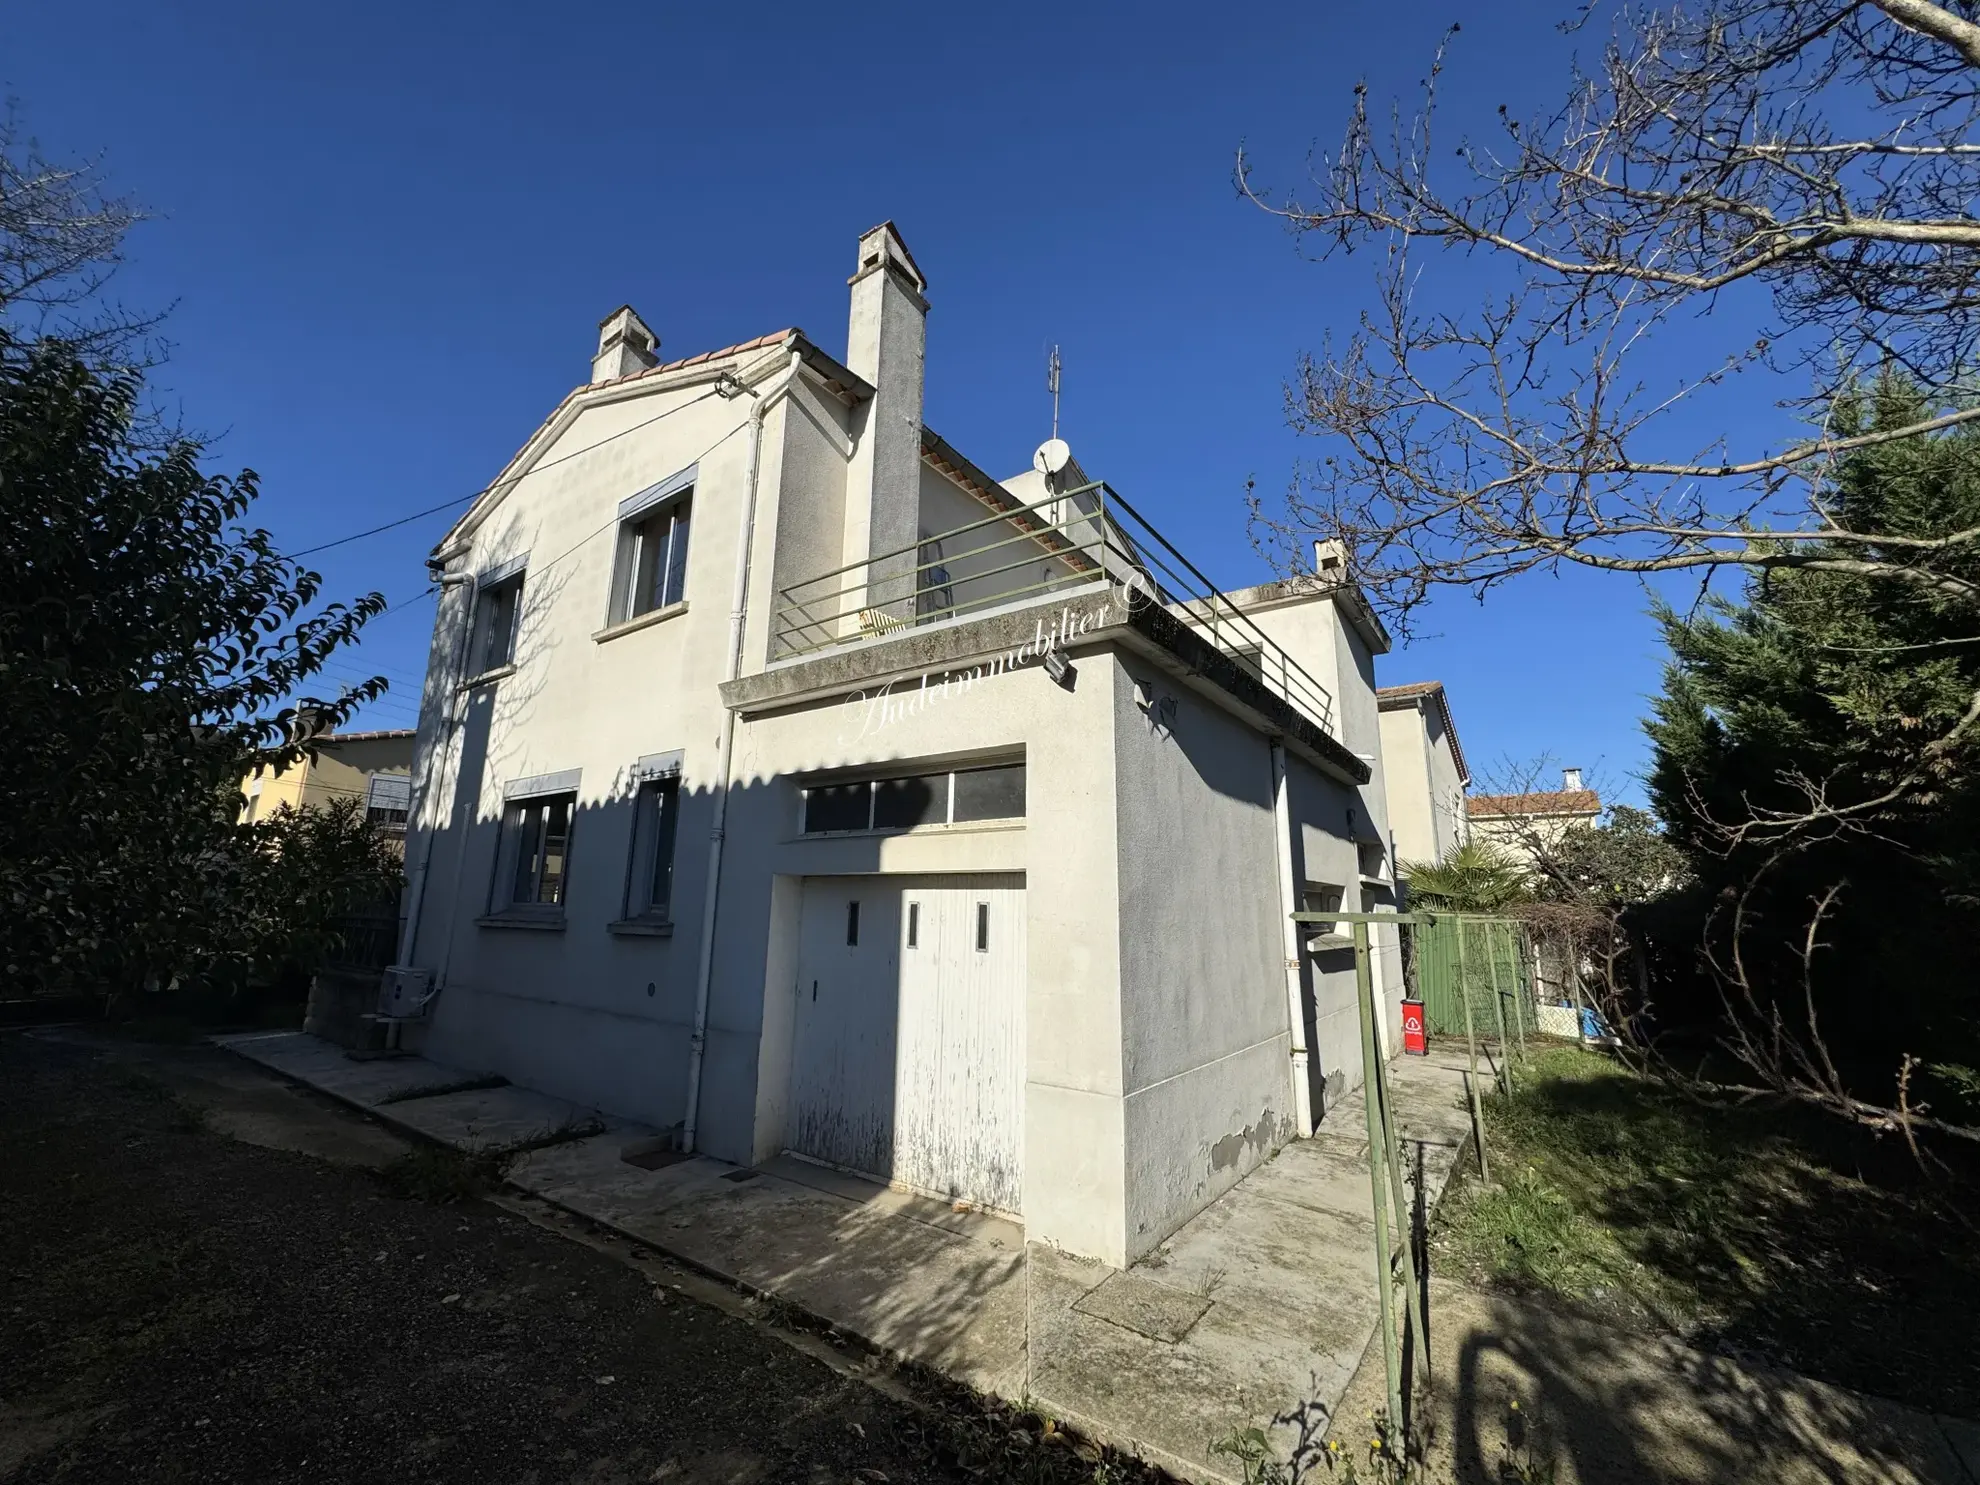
655 825
983 928
498 608
852 923
914 924
1323 897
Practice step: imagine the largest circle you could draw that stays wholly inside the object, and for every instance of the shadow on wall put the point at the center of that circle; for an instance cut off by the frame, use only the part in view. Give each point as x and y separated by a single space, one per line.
827 1017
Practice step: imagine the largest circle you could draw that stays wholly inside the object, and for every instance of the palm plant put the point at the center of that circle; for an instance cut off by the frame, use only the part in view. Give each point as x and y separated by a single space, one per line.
1473 877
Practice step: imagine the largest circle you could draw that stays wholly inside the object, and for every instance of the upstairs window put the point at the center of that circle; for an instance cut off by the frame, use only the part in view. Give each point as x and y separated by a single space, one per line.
953 797
659 564
651 569
387 800
497 614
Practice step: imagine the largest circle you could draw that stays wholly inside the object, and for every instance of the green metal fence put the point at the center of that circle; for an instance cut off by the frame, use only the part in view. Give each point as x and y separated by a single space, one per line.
1483 958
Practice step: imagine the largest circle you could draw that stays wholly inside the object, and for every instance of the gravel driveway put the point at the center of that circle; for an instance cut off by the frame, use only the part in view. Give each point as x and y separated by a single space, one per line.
179 1306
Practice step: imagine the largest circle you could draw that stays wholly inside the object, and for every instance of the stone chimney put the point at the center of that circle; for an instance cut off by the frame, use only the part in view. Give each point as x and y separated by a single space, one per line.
625 345
1571 780
886 343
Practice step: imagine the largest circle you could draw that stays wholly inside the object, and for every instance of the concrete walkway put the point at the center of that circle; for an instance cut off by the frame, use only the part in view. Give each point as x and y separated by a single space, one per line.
1263 1302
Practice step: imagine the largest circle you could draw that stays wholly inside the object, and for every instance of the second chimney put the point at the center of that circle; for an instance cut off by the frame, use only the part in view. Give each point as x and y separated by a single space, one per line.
625 345
1571 780
886 343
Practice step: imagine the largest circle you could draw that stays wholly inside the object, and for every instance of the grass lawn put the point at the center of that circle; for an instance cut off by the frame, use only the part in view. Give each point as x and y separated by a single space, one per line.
1772 1232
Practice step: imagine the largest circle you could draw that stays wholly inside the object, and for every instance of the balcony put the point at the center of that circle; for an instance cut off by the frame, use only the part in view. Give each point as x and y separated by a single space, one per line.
1083 541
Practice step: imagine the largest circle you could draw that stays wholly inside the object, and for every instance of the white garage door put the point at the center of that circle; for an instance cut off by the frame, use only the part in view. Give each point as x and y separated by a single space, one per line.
908 1062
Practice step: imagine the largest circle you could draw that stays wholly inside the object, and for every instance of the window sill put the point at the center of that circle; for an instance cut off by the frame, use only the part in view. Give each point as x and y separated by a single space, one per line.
641 928
534 922
1323 943
643 621
489 677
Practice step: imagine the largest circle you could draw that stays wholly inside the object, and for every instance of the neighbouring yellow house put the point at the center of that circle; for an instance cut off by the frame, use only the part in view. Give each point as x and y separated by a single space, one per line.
374 767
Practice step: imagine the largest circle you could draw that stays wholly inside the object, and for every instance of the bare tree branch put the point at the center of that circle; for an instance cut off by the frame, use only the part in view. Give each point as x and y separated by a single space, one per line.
61 241
1806 167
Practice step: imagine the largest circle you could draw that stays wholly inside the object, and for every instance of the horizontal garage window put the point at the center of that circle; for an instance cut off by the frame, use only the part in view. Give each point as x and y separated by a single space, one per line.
954 797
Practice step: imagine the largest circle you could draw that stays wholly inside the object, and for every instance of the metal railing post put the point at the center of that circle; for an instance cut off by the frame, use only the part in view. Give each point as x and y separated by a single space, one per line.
1405 1227
1371 1056
1499 1011
1471 1043
1521 983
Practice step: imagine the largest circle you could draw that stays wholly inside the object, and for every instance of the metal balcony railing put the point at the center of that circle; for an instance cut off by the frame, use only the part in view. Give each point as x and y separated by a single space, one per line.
1083 539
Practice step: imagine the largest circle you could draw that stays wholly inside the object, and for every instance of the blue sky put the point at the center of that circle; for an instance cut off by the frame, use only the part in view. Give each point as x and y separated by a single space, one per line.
388 233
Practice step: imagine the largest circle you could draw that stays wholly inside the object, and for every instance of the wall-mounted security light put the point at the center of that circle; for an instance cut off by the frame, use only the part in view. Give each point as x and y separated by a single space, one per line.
1144 694
729 386
1060 669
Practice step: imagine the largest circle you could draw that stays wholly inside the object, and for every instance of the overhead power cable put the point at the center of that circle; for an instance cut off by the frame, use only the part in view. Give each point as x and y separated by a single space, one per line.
433 510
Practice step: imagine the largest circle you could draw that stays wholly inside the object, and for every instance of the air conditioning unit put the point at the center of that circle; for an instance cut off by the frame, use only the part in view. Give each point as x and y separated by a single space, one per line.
404 991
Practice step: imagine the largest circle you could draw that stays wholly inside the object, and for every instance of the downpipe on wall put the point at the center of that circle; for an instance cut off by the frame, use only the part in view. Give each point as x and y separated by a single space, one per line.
725 750
1302 1091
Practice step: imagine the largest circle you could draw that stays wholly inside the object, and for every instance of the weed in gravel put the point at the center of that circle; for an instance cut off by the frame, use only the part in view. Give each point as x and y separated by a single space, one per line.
145 1084
442 1175
985 1438
576 1127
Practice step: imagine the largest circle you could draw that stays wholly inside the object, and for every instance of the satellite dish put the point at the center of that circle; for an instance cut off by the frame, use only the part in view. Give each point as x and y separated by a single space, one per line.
1053 455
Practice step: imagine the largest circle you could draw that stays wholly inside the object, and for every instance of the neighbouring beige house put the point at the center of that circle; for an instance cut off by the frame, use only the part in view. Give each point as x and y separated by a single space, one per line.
375 767
1515 821
787 781
1423 771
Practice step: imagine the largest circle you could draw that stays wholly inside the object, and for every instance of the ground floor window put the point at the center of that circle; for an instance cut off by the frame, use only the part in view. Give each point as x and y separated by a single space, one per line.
949 797
650 886
534 869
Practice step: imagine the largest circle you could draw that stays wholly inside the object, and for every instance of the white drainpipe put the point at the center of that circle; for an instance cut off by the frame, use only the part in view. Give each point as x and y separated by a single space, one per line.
738 608
449 725
1302 1093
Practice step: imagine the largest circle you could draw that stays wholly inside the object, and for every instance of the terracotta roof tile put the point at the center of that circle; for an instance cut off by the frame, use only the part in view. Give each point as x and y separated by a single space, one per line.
1559 802
1408 692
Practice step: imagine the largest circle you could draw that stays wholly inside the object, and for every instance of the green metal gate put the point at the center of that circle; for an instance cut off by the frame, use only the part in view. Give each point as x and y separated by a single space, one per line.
1491 960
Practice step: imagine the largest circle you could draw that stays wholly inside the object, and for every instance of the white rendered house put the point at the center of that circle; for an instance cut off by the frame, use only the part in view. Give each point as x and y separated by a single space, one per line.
786 780
1424 774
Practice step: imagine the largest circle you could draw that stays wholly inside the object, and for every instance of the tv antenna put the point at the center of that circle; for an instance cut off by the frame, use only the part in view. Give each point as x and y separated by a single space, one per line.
1052 367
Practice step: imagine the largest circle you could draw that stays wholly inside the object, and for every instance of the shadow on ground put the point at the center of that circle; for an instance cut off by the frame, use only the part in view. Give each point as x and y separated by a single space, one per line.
1769 1235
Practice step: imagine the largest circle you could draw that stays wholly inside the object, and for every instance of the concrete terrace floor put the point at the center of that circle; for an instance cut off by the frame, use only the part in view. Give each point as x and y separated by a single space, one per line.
1262 1304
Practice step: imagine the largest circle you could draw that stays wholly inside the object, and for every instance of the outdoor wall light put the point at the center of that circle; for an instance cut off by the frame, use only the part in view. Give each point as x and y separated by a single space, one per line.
1144 694
1060 669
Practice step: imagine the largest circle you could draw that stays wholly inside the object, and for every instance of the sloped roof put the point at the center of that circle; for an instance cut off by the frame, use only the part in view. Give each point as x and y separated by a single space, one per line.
1558 802
1394 698
838 377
